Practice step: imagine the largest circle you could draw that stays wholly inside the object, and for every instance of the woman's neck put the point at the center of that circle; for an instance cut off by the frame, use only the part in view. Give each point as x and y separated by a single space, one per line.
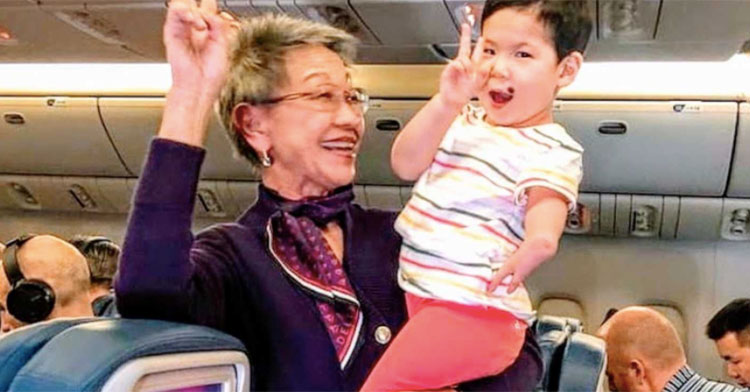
294 189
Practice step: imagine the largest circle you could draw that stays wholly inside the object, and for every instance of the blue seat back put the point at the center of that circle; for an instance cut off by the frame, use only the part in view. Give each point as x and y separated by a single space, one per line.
77 355
19 346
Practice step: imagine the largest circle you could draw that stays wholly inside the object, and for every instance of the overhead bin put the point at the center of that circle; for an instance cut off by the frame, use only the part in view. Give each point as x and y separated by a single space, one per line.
265 6
407 22
739 181
132 122
383 121
653 147
338 13
669 29
377 54
55 136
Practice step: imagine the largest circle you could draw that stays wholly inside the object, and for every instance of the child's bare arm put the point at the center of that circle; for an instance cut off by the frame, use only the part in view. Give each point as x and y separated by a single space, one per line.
544 223
417 143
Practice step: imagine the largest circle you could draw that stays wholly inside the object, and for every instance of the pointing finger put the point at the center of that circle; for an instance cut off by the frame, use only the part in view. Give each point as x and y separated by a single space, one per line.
464 46
476 56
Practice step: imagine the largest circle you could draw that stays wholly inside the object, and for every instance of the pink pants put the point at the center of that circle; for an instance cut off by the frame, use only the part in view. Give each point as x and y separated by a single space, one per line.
444 344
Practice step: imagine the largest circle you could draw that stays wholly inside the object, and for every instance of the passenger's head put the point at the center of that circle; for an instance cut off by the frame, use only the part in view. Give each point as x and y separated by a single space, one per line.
50 266
288 104
532 49
730 330
102 256
643 350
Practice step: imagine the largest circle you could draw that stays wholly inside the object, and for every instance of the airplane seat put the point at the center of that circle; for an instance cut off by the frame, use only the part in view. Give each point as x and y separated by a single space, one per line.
20 345
573 361
136 355
551 344
583 364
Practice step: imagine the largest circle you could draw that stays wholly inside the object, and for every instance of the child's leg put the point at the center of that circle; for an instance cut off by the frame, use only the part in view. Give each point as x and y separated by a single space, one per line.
443 344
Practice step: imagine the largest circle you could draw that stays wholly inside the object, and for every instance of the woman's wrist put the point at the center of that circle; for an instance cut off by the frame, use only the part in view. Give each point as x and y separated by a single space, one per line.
186 116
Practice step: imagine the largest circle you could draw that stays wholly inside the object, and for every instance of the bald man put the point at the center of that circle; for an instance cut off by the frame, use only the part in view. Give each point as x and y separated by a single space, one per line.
644 354
58 264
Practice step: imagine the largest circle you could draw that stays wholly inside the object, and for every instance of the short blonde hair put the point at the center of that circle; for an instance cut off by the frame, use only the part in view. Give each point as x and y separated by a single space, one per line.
257 65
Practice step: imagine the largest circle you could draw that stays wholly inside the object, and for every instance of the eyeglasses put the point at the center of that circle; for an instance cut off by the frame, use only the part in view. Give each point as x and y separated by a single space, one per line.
328 101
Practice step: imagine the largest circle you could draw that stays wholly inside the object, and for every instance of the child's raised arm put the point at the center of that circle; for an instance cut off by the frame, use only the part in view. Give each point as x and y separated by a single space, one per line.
546 213
417 143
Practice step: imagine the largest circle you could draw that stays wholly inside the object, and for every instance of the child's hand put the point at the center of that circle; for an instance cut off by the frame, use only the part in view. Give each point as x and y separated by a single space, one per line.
516 266
463 77
530 255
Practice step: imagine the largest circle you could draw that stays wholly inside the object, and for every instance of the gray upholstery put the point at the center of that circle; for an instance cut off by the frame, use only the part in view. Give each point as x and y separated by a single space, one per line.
573 361
82 357
583 364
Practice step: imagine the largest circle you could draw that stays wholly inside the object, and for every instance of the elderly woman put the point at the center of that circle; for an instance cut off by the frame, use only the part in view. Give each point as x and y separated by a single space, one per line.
305 278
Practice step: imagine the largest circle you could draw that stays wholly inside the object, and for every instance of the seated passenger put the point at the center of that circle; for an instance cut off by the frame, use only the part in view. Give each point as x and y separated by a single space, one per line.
102 256
43 278
730 330
644 354
305 278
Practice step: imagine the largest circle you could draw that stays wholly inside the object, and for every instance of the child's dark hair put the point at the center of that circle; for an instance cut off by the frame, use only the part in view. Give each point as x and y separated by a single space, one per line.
568 21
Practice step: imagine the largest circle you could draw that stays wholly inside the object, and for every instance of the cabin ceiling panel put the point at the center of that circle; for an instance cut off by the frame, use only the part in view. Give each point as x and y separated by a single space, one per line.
56 41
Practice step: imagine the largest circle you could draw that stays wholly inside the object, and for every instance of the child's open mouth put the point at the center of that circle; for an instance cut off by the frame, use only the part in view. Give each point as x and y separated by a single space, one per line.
500 97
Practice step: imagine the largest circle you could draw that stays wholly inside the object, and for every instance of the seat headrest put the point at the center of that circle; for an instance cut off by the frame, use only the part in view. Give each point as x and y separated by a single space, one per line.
84 356
20 345
584 362
548 323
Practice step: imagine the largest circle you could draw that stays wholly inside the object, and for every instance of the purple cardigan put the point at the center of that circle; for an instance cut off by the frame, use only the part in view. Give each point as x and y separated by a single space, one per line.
225 278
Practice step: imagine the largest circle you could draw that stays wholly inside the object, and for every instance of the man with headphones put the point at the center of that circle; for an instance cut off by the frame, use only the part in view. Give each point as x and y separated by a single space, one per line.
103 257
42 278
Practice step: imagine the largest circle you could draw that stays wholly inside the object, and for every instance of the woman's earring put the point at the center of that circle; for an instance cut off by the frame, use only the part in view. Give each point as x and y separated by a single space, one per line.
265 160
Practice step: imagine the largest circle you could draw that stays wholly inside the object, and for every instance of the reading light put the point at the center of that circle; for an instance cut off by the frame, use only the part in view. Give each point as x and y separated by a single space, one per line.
6 37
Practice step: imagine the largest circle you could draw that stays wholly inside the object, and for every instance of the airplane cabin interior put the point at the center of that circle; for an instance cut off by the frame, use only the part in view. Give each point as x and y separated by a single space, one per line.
661 106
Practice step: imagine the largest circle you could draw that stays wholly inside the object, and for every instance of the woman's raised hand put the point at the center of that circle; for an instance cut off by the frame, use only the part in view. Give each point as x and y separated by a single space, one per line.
196 37
463 77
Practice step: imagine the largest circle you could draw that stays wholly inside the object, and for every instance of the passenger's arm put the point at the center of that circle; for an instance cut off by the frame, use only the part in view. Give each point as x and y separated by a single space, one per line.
156 278
417 143
546 213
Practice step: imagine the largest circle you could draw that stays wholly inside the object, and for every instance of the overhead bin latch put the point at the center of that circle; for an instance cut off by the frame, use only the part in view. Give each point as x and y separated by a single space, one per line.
613 127
14 118
388 124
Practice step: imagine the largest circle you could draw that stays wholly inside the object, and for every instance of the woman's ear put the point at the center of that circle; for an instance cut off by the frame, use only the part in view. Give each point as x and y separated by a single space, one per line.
568 68
250 121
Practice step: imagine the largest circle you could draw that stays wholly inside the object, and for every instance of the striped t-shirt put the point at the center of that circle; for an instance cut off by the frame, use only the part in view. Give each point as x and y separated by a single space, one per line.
466 213
687 380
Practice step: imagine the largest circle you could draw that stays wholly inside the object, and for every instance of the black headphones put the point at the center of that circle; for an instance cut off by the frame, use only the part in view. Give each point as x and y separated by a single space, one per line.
29 300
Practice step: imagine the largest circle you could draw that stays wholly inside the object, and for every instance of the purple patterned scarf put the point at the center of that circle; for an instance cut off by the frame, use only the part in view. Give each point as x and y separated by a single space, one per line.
296 242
